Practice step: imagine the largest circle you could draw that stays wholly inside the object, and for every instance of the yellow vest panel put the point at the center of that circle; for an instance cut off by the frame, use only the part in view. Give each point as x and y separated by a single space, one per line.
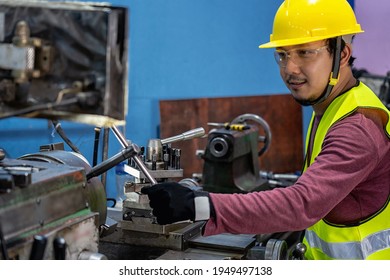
371 238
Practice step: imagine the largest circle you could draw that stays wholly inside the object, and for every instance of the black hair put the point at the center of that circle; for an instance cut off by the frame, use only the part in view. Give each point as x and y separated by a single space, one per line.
332 47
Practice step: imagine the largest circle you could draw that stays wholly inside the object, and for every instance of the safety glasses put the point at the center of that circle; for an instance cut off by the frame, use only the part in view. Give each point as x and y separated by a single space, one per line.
299 56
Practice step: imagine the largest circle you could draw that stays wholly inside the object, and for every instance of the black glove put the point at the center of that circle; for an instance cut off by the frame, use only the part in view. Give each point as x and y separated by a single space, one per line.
172 202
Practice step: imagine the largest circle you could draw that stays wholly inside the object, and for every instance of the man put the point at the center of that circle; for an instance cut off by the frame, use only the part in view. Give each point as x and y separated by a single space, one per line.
342 197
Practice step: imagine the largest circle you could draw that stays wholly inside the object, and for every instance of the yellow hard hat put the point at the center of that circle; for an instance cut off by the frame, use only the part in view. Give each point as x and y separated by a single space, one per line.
303 21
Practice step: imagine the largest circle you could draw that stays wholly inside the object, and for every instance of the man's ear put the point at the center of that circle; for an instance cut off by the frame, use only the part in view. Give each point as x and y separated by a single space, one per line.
345 55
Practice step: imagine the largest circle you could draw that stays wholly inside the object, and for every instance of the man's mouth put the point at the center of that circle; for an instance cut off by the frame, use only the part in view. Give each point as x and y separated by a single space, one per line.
296 83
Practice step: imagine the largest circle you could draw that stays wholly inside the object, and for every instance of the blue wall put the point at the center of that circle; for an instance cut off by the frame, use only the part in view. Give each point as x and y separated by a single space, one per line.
178 49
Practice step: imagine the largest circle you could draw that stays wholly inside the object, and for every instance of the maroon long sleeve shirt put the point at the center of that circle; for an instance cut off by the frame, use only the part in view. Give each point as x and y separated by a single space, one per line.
349 181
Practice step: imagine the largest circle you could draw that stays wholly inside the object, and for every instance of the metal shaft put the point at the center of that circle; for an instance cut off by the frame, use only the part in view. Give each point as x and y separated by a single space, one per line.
135 157
102 167
144 169
193 133
120 137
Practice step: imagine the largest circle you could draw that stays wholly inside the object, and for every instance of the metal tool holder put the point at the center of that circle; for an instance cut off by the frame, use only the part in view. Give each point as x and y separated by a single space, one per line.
160 163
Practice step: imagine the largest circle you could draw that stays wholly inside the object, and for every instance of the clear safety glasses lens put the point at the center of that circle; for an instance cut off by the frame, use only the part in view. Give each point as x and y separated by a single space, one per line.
299 56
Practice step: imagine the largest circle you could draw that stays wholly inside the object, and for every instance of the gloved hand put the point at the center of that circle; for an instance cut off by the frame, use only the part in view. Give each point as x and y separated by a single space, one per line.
172 202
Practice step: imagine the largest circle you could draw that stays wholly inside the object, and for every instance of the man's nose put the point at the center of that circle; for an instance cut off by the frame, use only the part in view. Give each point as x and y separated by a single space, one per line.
291 66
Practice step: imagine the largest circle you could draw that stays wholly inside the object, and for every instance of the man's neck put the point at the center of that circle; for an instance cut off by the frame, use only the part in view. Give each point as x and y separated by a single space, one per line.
346 82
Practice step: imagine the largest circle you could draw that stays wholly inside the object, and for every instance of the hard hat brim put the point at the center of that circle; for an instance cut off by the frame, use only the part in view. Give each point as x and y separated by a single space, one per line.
300 41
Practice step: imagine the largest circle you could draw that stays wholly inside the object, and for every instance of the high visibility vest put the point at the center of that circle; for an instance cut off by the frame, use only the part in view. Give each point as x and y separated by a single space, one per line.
369 239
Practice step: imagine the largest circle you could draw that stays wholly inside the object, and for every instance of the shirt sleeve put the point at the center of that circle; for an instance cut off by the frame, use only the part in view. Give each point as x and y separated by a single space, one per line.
351 151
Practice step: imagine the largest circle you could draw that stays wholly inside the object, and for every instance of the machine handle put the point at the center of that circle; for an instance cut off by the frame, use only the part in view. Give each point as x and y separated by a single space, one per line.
38 247
59 246
129 151
135 157
193 133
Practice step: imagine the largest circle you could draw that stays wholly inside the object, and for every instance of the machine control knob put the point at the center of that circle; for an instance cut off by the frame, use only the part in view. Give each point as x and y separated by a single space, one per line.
38 247
59 246
299 252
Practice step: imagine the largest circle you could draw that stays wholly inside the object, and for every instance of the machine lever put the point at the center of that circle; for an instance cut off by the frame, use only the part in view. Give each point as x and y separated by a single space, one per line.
59 246
125 154
38 247
135 157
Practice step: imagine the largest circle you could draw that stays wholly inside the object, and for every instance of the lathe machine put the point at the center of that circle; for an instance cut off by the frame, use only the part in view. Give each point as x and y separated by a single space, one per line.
55 65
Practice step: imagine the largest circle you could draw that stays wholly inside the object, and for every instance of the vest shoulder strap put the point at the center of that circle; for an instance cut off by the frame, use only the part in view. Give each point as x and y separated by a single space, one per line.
343 106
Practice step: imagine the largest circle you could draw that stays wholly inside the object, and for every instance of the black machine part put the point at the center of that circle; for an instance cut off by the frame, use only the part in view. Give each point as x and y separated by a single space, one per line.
231 161
231 157
267 138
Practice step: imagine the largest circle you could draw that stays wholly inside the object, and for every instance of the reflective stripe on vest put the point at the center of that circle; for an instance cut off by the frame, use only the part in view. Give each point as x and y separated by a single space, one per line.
371 238
351 250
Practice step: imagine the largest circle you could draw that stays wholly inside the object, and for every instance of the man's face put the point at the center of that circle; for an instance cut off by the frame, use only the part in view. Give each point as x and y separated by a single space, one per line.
305 69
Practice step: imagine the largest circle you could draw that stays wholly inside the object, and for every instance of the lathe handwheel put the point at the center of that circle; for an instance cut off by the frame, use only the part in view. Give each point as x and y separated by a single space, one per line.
264 139
275 250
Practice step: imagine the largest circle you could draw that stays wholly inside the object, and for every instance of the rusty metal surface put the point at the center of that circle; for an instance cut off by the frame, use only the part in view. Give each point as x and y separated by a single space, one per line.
79 232
56 191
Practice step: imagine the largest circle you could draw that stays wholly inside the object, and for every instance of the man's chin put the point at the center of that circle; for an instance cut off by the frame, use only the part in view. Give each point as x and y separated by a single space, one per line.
303 102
